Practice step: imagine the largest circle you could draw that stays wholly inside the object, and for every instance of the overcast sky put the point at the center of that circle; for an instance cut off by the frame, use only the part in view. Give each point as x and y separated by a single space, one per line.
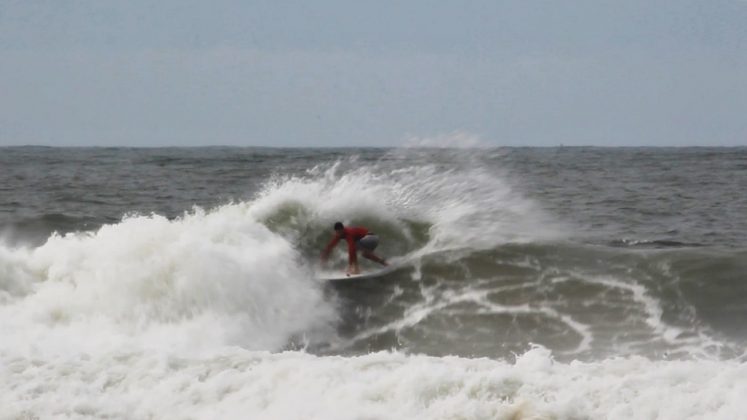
347 73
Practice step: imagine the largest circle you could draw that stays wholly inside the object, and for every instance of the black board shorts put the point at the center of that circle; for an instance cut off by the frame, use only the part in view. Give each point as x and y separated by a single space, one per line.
368 242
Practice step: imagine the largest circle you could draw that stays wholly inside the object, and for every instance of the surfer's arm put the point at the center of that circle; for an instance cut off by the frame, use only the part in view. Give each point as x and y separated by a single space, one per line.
328 248
352 258
352 254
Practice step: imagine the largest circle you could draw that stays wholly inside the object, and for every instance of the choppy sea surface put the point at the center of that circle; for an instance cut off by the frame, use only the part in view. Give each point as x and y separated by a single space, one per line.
535 283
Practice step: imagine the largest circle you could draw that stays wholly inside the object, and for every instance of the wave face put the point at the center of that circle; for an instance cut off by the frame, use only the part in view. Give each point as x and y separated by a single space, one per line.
180 282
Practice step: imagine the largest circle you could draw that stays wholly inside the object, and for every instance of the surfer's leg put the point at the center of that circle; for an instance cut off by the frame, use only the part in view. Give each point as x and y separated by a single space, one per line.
373 257
367 244
353 269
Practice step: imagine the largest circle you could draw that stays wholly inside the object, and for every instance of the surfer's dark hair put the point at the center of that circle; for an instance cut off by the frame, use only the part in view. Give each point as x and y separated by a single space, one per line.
339 226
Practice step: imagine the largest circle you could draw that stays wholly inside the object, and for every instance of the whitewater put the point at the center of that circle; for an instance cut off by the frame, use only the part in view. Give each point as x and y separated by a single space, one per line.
527 294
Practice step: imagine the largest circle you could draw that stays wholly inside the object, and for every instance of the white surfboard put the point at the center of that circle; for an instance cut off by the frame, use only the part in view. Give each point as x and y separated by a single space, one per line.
335 275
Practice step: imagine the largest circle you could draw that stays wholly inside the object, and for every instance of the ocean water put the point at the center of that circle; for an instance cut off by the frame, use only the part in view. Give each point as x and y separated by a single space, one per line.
538 283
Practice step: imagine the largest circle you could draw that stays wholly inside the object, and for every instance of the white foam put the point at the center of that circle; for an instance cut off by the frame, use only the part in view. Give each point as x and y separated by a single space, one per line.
649 313
238 384
199 282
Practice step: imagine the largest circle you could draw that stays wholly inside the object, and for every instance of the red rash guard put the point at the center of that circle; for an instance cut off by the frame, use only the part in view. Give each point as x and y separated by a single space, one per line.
351 235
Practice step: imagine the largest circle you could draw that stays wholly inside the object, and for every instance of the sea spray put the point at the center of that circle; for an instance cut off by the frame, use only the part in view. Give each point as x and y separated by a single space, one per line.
465 205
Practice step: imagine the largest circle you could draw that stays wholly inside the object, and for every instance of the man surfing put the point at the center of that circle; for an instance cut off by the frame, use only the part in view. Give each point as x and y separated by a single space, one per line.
357 238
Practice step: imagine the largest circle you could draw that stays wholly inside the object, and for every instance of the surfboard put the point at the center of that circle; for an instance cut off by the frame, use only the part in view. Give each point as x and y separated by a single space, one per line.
334 275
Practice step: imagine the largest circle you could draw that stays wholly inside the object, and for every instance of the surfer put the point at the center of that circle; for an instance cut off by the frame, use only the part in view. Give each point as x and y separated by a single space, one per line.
357 238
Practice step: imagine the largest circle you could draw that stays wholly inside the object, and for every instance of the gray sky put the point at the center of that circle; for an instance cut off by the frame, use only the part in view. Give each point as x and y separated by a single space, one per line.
346 73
